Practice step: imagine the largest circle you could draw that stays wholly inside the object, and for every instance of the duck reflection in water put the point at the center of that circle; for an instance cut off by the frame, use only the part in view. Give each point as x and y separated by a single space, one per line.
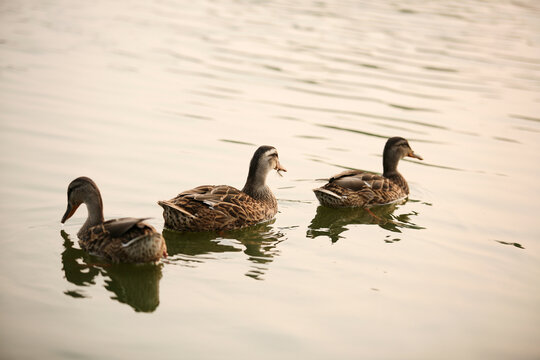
332 222
134 284
258 242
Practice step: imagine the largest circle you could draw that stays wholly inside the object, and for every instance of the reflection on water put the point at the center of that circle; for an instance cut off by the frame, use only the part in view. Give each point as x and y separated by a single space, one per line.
258 242
134 284
333 222
518 245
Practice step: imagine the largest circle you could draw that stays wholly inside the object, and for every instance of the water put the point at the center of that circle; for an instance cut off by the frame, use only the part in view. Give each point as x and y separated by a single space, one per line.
152 98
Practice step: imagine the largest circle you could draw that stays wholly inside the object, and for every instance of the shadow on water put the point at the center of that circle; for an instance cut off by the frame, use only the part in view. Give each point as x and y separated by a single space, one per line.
258 242
134 284
333 222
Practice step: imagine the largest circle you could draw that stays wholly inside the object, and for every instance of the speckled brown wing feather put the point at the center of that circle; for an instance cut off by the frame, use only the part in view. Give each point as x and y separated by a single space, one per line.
360 180
210 208
119 227
124 240
354 188
348 173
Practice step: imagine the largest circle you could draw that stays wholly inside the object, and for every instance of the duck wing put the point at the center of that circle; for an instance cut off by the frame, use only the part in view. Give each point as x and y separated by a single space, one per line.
210 207
357 180
211 195
119 227
223 199
346 173
127 239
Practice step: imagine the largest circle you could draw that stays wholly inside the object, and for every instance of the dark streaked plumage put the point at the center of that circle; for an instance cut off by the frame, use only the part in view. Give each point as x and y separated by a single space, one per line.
356 188
129 240
223 207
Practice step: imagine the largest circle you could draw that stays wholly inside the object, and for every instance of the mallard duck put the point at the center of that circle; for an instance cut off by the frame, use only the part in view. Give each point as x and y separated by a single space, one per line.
356 188
118 240
223 207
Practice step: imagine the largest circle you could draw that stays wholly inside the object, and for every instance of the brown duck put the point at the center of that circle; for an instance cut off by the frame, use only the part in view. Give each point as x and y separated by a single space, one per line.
223 207
128 240
356 188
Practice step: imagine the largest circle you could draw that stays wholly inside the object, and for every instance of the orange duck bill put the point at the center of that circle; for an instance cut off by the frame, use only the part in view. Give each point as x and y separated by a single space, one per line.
413 155
69 212
279 168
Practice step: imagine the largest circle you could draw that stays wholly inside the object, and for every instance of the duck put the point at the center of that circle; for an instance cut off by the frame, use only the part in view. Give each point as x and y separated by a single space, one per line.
357 188
223 207
123 240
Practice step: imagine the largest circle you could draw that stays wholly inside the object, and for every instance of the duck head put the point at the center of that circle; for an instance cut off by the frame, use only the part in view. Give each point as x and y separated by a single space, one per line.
83 190
264 160
396 148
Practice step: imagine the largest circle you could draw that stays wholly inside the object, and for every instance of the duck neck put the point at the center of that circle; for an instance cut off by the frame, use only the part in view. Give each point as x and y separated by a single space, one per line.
256 185
95 212
390 164
391 172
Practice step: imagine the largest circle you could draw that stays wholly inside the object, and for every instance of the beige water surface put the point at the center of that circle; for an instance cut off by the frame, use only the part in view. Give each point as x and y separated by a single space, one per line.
150 98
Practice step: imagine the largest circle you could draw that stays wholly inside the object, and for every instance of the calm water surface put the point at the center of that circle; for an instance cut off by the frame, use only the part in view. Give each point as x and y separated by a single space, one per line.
150 98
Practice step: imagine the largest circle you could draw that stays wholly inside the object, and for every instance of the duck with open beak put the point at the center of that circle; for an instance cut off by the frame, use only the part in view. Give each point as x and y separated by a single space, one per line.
223 207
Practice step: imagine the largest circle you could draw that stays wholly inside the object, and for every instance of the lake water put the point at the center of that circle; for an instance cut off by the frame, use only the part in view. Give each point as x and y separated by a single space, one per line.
150 98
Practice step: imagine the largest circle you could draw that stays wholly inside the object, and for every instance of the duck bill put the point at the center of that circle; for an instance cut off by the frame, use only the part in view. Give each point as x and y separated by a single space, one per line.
69 212
279 168
413 155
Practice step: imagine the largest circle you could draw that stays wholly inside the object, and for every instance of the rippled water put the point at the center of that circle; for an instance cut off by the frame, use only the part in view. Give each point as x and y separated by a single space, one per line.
152 98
